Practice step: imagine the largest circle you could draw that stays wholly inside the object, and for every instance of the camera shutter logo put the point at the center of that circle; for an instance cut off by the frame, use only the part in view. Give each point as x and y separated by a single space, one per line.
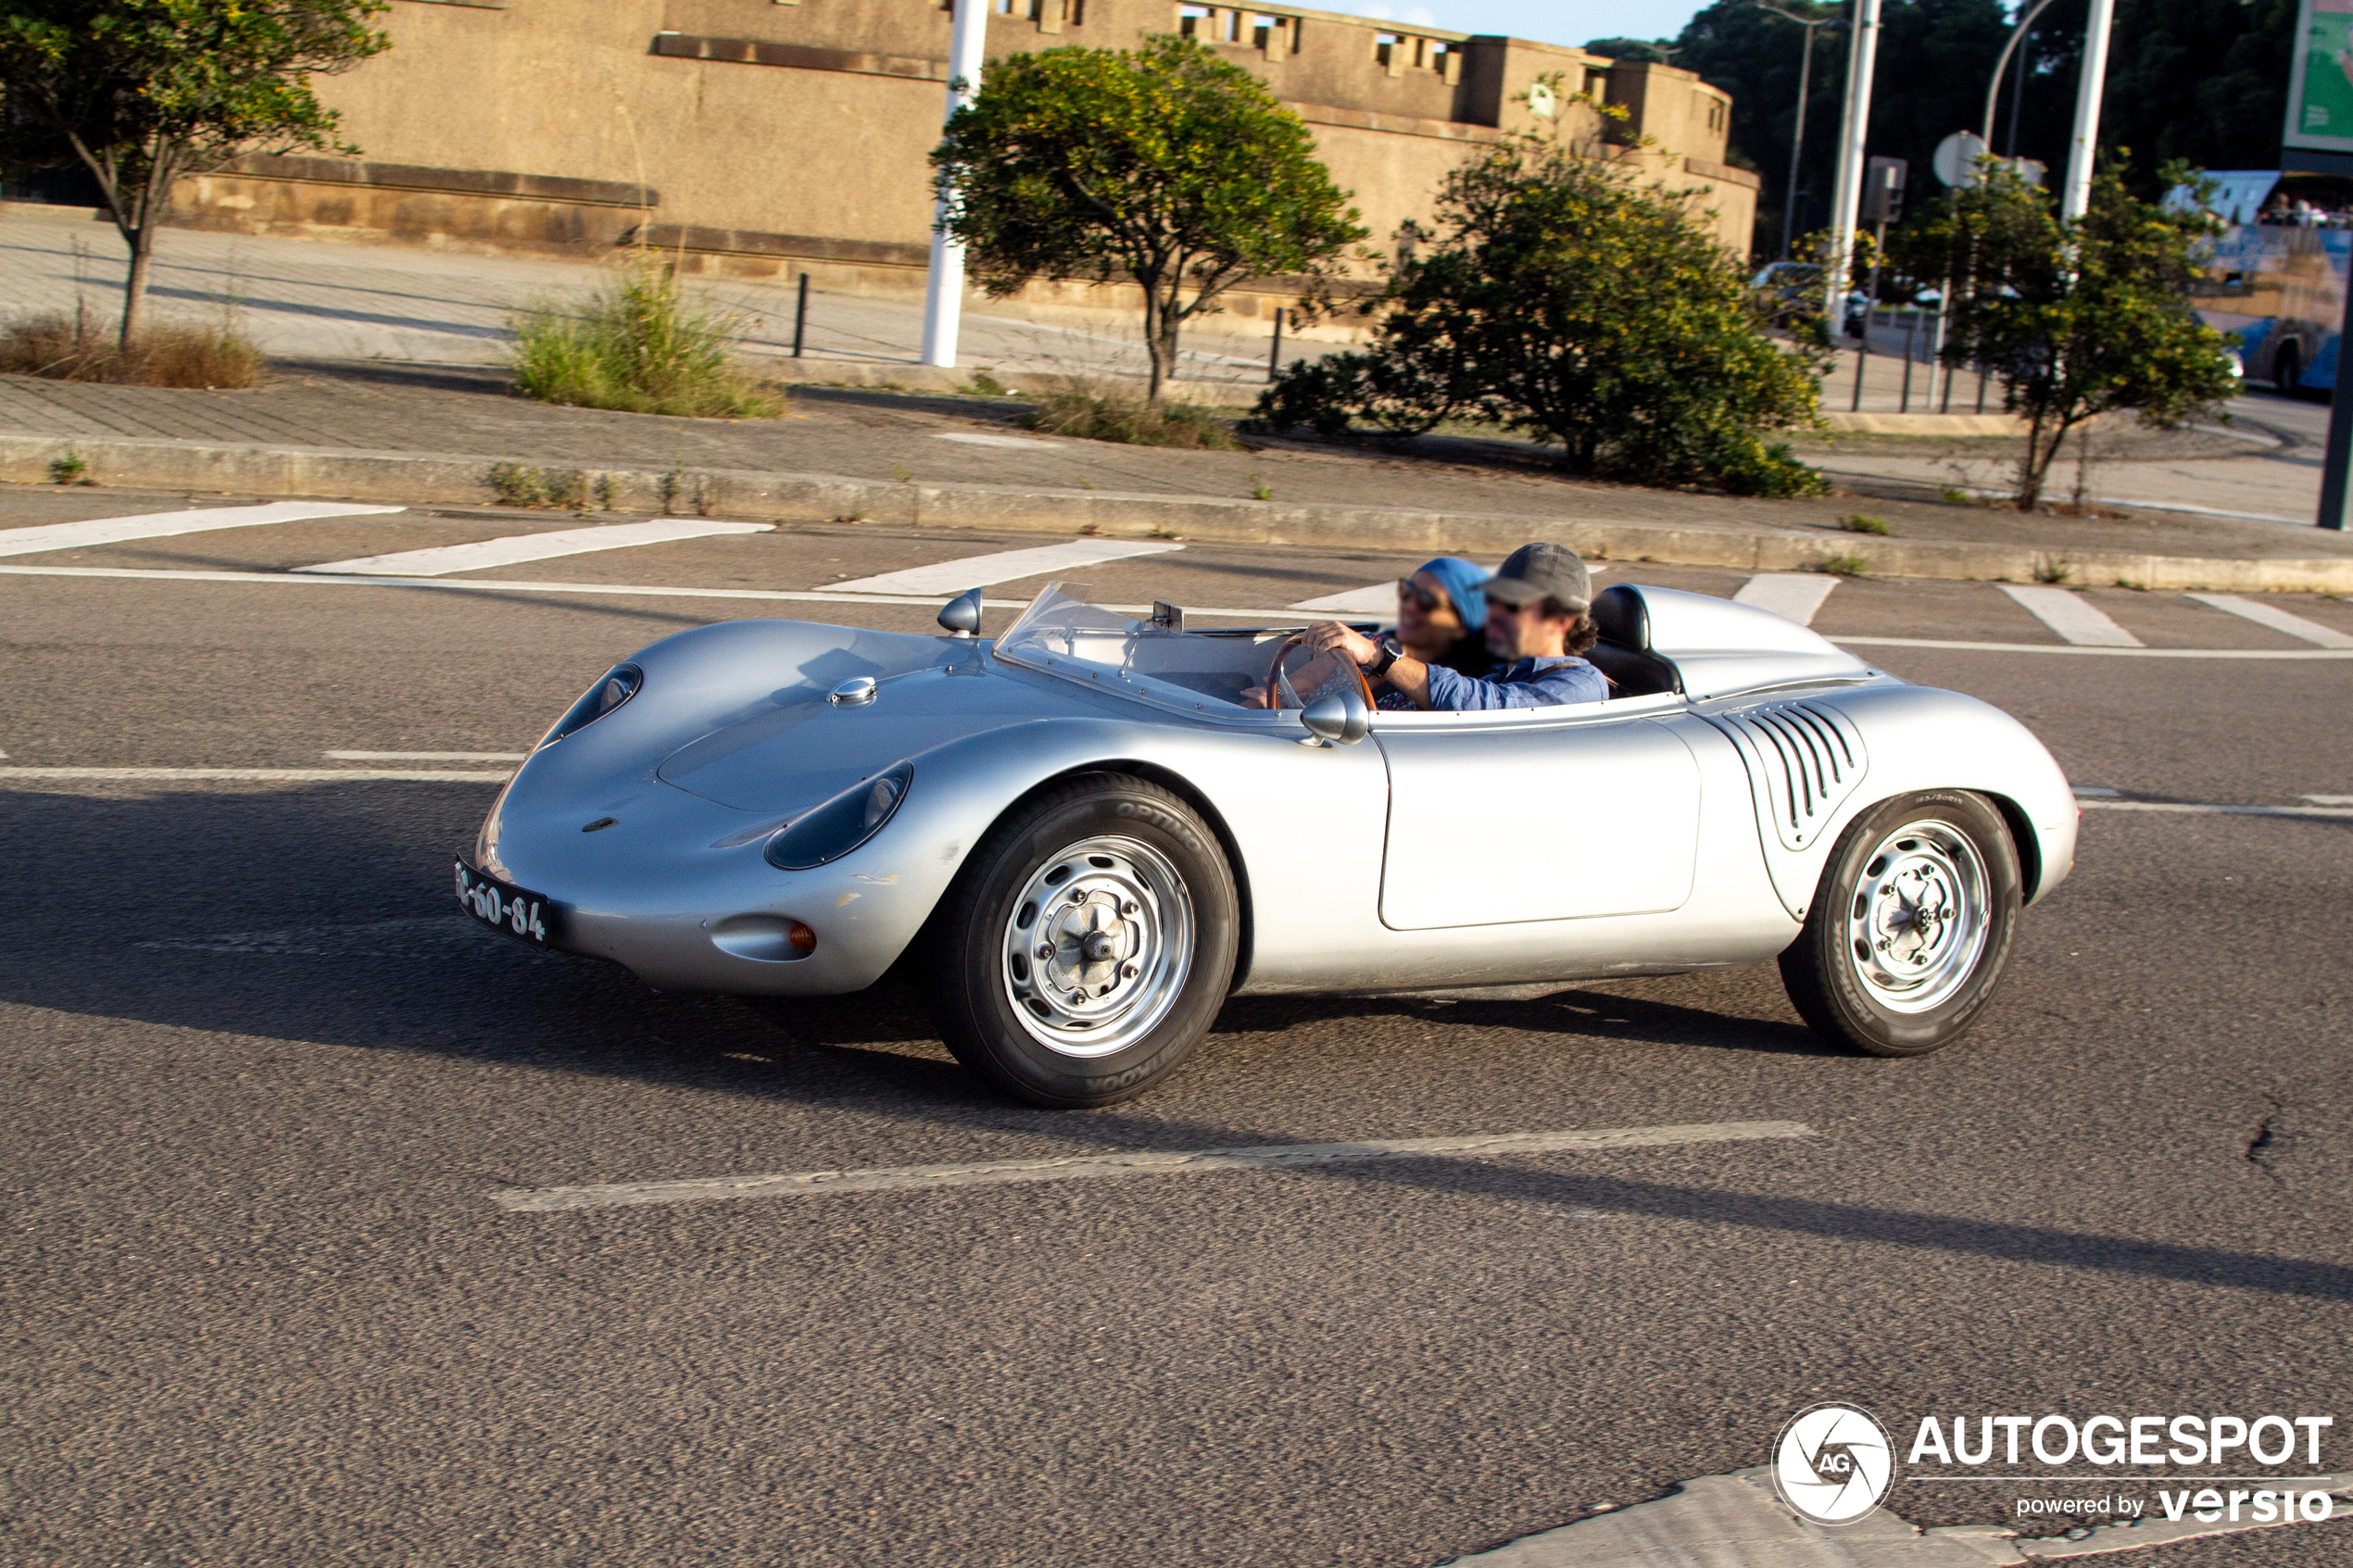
1834 1463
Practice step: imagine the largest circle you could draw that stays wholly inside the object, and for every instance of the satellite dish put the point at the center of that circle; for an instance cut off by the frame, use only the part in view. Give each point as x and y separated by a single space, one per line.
1956 159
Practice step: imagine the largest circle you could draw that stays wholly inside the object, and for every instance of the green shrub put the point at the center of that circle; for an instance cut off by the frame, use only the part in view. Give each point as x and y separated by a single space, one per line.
638 344
1089 414
1844 566
1858 522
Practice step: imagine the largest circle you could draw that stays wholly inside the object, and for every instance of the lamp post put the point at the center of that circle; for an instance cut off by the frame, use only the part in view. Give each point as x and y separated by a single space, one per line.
944 288
1994 88
1797 136
1853 129
2075 196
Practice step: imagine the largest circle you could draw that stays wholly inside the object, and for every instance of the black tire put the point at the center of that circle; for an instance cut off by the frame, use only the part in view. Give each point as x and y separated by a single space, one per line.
1953 849
1105 860
2287 370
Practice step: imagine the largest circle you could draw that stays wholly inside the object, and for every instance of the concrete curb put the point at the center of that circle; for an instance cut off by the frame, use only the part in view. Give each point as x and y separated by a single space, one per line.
449 479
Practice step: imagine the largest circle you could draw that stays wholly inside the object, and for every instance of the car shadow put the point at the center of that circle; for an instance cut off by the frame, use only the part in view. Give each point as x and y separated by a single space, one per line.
316 914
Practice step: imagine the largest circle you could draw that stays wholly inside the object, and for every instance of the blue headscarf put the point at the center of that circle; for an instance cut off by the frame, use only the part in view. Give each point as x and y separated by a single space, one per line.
1465 584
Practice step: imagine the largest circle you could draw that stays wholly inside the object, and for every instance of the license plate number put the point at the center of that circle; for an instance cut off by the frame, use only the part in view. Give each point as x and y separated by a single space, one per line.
503 905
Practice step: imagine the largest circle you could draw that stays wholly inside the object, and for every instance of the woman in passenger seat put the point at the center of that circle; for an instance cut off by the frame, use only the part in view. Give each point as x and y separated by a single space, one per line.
1441 620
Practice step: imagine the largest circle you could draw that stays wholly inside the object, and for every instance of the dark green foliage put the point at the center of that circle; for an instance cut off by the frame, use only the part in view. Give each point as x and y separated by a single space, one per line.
2076 318
1163 166
1565 298
144 92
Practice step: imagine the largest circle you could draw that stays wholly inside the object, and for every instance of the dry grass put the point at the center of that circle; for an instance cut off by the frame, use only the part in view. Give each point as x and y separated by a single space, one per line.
1087 413
73 347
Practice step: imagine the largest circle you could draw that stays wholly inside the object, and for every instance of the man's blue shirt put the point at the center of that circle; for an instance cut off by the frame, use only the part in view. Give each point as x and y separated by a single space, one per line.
1526 683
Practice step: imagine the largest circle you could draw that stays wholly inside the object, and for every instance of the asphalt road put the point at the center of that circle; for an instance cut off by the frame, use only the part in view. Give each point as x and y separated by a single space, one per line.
262 1308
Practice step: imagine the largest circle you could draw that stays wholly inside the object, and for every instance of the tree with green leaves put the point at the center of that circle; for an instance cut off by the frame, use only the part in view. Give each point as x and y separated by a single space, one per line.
144 93
1567 297
2077 318
1164 166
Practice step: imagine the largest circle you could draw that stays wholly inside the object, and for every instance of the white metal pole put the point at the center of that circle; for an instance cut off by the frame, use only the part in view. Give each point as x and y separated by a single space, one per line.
944 290
2076 199
1854 129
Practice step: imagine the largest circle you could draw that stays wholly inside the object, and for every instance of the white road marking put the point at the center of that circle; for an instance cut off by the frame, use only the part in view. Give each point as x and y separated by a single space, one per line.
269 776
1006 566
1141 1162
806 596
1796 595
2310 799
2070 647
2071 616
517 547
157 525
2278 619
1373 599
2203 809
973 440
426 756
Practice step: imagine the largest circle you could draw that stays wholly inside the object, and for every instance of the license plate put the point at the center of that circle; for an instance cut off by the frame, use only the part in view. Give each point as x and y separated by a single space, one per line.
505 906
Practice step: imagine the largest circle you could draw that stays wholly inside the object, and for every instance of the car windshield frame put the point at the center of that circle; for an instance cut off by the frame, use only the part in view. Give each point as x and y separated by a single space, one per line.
1061 633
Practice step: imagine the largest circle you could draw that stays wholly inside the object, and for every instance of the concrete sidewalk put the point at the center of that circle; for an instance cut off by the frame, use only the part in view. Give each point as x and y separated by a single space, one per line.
425 435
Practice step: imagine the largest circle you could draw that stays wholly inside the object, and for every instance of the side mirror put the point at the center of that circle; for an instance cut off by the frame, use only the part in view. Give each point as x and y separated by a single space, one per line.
1342 718
960 617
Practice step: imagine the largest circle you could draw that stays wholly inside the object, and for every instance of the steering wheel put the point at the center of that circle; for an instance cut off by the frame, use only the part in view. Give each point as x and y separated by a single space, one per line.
1299 674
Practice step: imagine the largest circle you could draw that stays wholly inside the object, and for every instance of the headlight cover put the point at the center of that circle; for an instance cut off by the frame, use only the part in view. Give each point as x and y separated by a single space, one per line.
828 833
621 683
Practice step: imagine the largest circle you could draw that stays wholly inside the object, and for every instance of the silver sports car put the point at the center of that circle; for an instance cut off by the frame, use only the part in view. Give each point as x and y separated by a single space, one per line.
1091 830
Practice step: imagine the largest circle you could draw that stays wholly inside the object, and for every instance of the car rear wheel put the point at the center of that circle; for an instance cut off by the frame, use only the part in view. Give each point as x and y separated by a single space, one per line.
1087 944
1911 927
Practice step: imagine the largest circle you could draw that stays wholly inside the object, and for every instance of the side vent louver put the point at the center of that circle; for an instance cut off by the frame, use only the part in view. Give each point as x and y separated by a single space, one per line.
1805 761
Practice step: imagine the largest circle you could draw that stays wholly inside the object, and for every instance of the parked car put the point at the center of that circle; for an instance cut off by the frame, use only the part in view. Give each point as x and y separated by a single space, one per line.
1088 839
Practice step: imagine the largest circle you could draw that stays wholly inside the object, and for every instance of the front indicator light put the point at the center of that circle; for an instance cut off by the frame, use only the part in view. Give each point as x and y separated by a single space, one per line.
802 937
824 835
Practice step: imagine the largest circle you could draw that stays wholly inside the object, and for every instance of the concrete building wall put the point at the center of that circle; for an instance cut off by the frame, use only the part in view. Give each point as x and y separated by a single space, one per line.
758 136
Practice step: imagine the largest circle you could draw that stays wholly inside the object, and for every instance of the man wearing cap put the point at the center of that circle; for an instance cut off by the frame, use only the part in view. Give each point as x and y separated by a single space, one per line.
1539 619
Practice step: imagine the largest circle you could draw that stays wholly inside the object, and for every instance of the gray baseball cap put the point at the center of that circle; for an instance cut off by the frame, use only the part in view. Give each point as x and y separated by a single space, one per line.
1535 571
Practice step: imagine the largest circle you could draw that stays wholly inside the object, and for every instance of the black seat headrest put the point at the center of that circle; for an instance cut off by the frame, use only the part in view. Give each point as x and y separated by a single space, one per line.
1622 617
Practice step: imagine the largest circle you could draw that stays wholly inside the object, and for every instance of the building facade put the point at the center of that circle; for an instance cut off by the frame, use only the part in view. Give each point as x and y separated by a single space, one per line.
755 137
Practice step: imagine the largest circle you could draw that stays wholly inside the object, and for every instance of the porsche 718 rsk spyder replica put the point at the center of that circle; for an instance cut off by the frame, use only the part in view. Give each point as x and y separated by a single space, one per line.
1093 830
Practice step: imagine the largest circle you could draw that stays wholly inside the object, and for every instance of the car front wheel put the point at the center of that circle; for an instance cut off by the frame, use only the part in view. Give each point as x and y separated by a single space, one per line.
1911 927
1087 944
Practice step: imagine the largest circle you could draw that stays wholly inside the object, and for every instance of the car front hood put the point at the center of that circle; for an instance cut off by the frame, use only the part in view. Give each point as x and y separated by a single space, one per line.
803 750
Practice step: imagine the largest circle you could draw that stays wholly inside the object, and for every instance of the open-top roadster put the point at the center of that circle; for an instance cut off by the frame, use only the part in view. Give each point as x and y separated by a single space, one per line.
1089 832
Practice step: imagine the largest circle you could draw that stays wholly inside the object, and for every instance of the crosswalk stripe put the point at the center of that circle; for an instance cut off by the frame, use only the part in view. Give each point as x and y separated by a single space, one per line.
2073 617
444 558
1796 596
2276 619
1005 566
158 525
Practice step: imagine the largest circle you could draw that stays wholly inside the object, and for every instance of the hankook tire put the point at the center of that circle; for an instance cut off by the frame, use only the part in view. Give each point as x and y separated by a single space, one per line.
1087 944
1910 926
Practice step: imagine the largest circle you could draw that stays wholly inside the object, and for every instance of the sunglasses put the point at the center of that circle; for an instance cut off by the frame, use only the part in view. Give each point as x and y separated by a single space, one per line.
1411 592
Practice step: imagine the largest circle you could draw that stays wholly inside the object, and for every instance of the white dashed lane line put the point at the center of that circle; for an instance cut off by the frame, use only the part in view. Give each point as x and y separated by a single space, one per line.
159 525
444 558
2071 616
1796 595
1373 599
1140 1162
1004 566
425 755
2278 619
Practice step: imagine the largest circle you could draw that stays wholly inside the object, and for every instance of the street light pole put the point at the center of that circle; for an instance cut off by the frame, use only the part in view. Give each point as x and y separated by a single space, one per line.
2075 199
944 288
1846 197
1994 88
1797 135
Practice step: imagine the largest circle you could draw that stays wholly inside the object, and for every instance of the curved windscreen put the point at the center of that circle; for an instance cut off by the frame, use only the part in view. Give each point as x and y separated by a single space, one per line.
1198 671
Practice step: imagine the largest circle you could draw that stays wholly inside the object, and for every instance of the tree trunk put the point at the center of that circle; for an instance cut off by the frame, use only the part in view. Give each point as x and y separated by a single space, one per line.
1154 339
2035 470
141 235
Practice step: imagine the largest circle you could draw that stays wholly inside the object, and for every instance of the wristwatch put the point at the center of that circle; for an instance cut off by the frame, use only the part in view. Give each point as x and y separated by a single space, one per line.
1379 666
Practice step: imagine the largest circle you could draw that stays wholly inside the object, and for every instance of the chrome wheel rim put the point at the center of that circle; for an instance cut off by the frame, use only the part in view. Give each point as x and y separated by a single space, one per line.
1098 947
1920 917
